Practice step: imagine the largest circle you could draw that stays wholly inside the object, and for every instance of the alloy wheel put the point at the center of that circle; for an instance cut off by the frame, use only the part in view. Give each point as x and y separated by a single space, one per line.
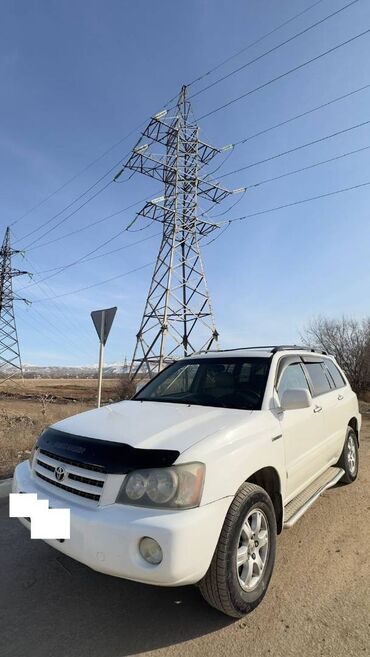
252 551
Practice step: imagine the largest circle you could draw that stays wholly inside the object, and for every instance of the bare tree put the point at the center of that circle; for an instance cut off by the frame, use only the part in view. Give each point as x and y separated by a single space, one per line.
348 340
125 388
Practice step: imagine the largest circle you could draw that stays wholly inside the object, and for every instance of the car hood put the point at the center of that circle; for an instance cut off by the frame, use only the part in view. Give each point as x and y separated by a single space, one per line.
152 425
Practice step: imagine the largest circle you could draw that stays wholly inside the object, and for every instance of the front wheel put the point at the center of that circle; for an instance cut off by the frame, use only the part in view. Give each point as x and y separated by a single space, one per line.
242 565
349 457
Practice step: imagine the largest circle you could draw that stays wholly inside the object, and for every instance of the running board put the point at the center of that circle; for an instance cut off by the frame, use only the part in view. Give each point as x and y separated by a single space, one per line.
299 505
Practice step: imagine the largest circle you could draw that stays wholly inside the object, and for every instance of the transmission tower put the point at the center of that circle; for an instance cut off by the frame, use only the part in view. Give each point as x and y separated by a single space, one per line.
178 318
10 358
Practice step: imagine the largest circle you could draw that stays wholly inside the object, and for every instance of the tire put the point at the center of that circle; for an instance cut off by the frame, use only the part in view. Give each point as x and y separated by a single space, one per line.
236 591
349 457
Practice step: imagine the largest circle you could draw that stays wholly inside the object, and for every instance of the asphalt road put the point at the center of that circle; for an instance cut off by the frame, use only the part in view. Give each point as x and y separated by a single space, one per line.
318 602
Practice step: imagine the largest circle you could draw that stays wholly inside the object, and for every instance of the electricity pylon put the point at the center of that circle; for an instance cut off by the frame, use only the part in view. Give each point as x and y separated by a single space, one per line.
178 318
10 358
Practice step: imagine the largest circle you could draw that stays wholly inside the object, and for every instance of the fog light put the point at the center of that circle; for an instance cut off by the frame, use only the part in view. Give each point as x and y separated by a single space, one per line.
150 550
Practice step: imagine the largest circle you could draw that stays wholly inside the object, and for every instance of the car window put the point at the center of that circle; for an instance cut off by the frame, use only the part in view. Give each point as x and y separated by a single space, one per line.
292 378
339 382
320 380
179 380
224 382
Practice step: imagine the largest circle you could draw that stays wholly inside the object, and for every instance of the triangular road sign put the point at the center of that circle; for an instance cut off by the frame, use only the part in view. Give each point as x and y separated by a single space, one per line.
103 320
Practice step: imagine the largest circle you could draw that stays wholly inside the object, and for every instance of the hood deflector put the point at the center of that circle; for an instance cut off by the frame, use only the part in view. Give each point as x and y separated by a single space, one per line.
115 458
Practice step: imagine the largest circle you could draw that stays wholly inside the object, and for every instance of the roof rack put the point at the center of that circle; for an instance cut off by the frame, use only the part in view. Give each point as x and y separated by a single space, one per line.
295 347
272 348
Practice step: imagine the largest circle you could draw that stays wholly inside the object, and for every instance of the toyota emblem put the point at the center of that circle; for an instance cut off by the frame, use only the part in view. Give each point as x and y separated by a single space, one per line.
59 473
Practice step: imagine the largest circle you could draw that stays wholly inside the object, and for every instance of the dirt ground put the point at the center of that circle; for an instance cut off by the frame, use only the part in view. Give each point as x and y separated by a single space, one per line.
27 407
318 603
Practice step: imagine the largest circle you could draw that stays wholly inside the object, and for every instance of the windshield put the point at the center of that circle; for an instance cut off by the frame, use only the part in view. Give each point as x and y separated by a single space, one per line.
222 382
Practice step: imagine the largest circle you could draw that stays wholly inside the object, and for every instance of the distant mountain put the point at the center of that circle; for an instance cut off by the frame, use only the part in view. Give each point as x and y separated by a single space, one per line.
74 371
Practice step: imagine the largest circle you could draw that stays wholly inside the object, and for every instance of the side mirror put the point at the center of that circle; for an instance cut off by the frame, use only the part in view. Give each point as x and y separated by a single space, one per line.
296 398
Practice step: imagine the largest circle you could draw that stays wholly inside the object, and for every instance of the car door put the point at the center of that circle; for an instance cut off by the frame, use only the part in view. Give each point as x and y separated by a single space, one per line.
340 409
326 398
302 430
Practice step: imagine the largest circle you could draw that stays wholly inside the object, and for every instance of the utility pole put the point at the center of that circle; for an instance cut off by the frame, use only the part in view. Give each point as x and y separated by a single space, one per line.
178 318
10 358
101 359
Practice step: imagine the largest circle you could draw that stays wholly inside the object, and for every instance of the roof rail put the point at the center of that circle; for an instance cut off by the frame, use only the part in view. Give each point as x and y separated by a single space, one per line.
288 347
221 351
294 347
272 348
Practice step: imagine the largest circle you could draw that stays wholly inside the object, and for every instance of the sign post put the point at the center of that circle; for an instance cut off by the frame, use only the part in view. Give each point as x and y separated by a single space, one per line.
103 320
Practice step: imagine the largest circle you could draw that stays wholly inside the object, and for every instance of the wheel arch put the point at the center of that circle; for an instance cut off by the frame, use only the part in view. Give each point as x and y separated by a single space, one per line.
268 478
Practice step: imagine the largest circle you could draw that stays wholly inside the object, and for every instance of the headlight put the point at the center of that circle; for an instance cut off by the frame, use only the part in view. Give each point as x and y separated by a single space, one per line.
178 487
136 486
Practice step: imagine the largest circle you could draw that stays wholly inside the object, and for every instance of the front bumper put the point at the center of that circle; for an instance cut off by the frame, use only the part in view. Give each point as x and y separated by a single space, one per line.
106 538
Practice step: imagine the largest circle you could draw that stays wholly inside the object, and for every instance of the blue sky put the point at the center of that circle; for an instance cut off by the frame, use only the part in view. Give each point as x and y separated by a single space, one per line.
76 77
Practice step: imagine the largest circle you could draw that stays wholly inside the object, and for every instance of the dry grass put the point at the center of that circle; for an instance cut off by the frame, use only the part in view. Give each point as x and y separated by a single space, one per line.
61 390
26 408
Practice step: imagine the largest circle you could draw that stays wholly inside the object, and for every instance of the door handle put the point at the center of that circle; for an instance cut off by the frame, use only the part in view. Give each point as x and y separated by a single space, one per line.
340 397
317 409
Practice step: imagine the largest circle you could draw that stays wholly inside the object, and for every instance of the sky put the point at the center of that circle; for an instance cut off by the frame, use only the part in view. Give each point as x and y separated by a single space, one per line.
79 77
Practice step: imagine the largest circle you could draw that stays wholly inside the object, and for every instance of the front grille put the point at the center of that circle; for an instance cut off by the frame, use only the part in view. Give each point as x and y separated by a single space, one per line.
92 482
78 478
90 496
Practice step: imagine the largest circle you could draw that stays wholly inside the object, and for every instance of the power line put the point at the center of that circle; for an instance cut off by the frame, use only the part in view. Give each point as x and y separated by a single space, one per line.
296 148
301 201
129 134
81 259
310 166
62 221
221 214
89 287
61 310
66 337
79 173
289 173
100 255
76 175
286 73
100 179
84 259
271 50
253 43
90 225
55 216
302 114
116 144
223 225
241 141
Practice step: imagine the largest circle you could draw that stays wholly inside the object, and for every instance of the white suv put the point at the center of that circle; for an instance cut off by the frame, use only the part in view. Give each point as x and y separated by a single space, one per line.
192 479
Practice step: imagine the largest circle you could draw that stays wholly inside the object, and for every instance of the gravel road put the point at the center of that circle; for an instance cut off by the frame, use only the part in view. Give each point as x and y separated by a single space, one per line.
318 602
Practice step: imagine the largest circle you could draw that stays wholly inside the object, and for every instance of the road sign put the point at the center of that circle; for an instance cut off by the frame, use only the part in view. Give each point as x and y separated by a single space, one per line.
103 320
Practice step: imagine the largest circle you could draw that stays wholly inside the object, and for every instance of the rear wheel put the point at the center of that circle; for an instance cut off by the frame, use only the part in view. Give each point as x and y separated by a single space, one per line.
242 565
349 457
